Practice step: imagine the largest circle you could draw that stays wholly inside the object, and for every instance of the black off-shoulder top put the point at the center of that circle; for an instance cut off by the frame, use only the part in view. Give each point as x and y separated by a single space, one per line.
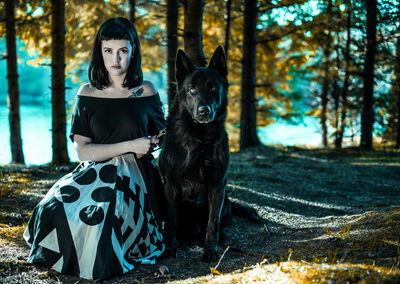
113 120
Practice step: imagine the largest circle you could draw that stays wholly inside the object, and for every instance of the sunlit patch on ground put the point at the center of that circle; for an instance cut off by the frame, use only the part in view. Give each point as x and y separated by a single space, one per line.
12 234
303 272
327 220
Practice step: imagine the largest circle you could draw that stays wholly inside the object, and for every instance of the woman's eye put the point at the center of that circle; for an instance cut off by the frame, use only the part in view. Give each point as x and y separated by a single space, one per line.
107 50
124 51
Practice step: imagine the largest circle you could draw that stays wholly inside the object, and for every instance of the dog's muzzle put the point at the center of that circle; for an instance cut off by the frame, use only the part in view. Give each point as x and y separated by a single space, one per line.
204 114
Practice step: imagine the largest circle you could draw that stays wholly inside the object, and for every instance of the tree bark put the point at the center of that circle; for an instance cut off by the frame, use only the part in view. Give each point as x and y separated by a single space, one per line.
132 6
396 89
193 35
367 118
17 155
339 140
248 119
172 37
60 154
326 82
398 108
228 27
336 101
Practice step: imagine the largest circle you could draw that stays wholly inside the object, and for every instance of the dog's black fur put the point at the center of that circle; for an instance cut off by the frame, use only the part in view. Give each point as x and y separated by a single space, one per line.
195 155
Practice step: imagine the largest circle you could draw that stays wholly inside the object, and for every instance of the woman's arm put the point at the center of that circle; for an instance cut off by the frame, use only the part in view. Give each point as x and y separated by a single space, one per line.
88 151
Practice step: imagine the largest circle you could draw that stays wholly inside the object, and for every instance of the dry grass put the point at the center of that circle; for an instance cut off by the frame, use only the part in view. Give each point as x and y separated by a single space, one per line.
331 217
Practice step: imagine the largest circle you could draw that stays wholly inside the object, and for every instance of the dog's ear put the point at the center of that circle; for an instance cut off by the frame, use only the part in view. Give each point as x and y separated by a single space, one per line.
183 65
218 62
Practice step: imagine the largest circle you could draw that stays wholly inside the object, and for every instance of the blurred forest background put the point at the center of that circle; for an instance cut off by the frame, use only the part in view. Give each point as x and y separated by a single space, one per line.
331 61
323 74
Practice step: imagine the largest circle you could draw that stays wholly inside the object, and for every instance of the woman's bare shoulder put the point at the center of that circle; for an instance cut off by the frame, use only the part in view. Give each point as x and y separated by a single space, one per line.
87 90
148 89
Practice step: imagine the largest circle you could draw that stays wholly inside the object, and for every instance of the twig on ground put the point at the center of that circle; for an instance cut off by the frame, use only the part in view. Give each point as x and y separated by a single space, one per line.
222 256
214 269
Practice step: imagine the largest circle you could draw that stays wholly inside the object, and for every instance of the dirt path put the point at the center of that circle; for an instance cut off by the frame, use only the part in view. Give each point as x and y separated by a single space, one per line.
320 208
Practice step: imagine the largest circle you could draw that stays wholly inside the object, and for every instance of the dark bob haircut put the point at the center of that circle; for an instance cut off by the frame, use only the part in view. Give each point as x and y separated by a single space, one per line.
116 28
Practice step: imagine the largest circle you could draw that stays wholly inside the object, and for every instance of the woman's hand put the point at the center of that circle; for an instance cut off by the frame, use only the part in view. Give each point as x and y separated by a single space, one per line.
88 151
144 145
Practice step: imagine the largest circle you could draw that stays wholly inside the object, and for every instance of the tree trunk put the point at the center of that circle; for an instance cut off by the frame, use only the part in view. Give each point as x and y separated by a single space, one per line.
60 154
326 82
367 118
398 110
172 37
132 6
17 154
227 27
345 89
193 35
396 87
248 119
336 100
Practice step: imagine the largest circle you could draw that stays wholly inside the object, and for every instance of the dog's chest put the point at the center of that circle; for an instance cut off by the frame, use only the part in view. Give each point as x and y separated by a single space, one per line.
195 193
197 181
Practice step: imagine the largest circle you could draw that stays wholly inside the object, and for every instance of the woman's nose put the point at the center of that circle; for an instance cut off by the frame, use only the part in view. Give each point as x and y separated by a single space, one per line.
117 57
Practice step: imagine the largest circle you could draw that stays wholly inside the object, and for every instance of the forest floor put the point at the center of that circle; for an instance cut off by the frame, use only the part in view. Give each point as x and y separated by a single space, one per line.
330 217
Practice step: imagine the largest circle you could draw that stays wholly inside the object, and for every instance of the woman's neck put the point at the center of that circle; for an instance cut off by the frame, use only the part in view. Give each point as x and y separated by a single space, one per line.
117 82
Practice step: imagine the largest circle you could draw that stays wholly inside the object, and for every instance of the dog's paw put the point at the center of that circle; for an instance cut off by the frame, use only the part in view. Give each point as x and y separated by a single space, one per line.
209 255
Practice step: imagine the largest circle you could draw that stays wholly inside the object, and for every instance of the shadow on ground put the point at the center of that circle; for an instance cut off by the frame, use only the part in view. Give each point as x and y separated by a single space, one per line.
328 216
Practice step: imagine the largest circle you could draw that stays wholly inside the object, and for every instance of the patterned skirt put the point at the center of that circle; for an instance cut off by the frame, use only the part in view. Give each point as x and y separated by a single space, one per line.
99 221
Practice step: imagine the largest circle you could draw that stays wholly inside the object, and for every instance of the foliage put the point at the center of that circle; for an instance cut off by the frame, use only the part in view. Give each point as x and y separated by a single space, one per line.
83 19
291 38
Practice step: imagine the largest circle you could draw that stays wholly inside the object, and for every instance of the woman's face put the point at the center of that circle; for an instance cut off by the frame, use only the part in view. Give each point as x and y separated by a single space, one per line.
117 55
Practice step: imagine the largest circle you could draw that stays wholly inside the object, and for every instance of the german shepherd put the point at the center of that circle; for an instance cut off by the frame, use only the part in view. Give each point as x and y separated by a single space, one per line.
195 156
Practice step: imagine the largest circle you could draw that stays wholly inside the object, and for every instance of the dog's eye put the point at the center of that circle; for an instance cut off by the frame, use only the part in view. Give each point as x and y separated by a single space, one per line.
213 90
192 91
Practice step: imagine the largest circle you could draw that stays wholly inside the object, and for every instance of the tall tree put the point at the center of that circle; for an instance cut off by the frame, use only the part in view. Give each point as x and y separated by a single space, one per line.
172 46
396 87
228 27
132 7
327 77
345 88
248 119
193 36
60 154
367 117
13 87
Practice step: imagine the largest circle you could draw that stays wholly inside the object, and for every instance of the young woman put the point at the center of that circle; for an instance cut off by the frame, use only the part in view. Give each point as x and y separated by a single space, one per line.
102 219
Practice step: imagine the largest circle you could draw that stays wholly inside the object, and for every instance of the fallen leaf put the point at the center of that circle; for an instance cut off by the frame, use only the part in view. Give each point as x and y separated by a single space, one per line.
214 271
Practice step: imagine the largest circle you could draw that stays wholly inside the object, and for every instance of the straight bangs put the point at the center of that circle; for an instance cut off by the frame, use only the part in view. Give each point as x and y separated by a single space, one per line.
116 29
116 32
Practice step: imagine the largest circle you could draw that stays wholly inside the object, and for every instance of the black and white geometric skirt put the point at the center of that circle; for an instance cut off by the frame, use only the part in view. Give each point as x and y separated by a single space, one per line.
96 222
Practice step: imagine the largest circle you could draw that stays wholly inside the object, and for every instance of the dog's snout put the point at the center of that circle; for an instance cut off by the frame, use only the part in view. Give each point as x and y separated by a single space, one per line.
204 110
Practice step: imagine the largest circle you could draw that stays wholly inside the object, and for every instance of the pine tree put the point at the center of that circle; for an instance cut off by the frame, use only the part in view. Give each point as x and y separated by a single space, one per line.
248 121
17 154
193 35
172 38
60 154
367 118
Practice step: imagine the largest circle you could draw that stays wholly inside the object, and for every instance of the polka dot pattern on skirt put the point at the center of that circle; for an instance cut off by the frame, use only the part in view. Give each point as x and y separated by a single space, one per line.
92 215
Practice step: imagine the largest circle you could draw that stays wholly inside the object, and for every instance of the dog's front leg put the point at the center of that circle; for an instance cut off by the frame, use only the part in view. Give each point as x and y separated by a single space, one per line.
171 222
216 197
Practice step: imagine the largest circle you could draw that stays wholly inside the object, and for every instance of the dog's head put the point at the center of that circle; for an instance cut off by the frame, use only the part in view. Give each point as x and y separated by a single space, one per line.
202 91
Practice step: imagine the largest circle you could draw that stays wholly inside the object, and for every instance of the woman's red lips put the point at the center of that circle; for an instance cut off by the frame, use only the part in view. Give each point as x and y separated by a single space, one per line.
116 66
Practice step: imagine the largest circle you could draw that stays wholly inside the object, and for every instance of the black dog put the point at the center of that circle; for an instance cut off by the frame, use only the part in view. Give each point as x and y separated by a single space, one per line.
195 156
